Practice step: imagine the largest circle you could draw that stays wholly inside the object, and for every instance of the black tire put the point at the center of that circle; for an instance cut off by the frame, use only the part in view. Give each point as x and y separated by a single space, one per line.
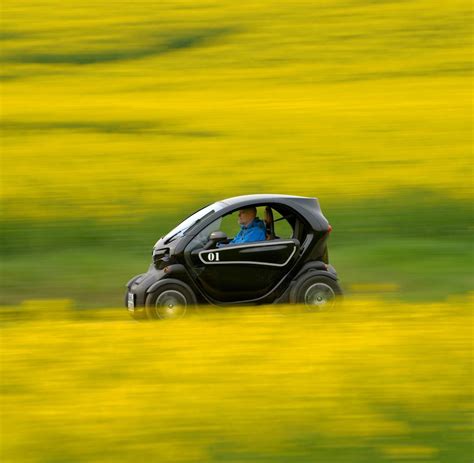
317 292
173 299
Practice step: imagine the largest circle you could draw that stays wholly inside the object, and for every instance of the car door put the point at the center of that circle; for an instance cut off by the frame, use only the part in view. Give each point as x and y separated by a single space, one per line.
244 272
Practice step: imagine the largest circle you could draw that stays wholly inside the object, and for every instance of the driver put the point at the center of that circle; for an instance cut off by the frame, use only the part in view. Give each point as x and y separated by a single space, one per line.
251 227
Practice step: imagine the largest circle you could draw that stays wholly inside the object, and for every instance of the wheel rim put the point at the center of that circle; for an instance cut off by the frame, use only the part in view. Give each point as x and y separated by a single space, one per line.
170 304
320 295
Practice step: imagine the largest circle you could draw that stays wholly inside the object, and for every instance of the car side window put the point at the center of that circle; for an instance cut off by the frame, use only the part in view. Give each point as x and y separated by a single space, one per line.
283 229
230 225
201 239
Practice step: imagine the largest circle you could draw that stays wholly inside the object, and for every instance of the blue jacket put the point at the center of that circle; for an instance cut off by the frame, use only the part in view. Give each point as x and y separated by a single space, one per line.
255 231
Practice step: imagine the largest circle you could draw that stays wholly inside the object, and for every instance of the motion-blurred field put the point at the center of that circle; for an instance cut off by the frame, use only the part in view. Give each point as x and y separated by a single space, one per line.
373 382
120 118
122 109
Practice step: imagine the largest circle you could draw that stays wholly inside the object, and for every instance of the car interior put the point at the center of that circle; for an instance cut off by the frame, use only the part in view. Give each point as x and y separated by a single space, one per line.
279 224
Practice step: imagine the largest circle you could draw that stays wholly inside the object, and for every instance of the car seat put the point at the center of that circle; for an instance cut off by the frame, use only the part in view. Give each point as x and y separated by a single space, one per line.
269 224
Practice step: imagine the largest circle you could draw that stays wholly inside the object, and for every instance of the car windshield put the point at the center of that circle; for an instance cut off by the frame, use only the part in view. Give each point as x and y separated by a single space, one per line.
192 220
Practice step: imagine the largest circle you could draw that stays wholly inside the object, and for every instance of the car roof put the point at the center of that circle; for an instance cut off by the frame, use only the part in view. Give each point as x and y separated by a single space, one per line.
265 197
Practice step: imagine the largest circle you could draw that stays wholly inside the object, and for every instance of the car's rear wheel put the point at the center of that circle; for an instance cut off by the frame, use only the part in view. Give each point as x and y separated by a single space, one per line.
171 300
316 292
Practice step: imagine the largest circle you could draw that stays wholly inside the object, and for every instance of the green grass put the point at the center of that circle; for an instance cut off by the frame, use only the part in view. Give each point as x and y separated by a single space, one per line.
422 248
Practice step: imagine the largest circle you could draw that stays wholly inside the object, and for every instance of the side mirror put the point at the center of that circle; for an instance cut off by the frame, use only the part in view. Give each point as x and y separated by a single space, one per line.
217 236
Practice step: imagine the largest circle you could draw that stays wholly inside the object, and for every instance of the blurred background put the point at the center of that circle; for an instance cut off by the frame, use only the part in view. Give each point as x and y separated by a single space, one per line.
121 118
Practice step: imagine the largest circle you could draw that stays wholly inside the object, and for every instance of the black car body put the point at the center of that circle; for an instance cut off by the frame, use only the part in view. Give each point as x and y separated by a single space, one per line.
189 268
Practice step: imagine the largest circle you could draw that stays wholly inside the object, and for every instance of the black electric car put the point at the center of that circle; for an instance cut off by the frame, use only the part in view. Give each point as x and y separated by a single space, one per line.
195 263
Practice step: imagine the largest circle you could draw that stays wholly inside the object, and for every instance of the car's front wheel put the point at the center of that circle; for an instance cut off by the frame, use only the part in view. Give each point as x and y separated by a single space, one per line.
171 300
317 292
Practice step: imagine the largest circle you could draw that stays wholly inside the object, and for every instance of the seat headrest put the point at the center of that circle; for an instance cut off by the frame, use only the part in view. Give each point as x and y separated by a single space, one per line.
268 215
269 223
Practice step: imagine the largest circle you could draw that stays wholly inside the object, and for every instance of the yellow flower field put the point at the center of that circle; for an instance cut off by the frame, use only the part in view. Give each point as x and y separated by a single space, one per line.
118 117
373 381
155 104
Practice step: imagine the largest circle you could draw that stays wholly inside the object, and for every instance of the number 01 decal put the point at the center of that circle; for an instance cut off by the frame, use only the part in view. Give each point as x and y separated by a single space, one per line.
213 256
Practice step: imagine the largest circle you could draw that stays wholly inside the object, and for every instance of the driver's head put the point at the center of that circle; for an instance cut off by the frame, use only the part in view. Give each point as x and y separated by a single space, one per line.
247 215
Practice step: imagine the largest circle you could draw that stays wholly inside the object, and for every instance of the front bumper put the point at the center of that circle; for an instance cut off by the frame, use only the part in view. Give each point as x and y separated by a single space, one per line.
137 287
